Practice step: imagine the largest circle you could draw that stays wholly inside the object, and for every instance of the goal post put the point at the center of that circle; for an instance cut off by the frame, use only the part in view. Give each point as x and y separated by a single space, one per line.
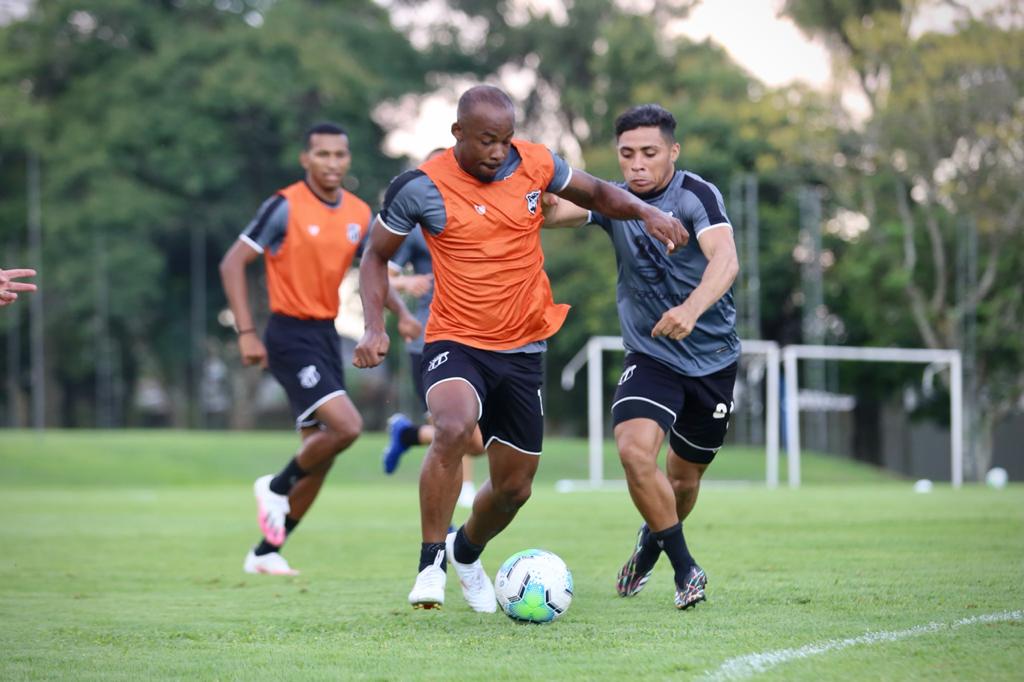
592 355
792 354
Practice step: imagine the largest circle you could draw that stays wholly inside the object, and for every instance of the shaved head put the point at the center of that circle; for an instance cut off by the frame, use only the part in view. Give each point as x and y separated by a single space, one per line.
483 95
483 131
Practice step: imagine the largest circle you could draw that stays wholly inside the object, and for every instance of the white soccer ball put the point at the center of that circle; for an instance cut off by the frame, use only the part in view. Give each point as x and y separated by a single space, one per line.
534 586
997 478
923 485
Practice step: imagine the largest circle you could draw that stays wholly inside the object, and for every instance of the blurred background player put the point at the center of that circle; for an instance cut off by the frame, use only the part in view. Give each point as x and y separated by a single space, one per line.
479 207
308 234
678 325
403 433
9 287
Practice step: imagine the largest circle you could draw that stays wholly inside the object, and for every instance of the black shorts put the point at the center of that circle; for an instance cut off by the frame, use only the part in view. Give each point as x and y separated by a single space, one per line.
416 365
694 411
507 385
305 358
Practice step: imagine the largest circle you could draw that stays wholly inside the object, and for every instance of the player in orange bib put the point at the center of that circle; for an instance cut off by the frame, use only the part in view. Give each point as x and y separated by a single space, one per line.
308 234
479 207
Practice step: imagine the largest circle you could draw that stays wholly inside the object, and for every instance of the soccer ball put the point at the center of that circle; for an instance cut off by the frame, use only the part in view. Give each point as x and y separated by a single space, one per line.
534 586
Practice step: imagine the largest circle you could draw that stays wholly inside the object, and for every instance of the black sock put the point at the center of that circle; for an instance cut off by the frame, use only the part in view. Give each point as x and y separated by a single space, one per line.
266 548
428 555
465 551
673 543
409 436
649 552
289 476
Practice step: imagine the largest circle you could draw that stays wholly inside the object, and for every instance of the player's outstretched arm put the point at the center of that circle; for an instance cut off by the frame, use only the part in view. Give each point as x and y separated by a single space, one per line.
9 288
591 193
723 266
374 290
232 278
560 212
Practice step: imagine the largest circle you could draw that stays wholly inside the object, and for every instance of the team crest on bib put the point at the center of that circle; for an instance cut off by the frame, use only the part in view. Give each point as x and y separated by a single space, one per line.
354 231
531 201
308 376
314 230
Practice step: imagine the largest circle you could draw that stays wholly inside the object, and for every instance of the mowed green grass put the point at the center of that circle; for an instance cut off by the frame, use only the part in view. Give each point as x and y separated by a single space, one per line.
121 559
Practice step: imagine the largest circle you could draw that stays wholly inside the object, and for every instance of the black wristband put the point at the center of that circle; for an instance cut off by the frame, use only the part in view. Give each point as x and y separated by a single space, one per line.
246 331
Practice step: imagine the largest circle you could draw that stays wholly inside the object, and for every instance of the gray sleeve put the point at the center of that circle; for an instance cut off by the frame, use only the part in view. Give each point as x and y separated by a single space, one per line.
702 203
562 175
413 198
601 220
268 228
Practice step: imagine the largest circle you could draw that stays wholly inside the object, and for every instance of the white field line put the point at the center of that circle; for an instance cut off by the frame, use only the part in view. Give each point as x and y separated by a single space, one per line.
742 667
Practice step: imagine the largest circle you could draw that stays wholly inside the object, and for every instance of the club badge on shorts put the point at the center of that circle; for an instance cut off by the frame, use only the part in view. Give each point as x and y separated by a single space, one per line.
308 376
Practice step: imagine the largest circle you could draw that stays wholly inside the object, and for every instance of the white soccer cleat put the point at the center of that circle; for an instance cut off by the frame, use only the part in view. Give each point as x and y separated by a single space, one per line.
476 586
267 564
467 495
428 592
271 509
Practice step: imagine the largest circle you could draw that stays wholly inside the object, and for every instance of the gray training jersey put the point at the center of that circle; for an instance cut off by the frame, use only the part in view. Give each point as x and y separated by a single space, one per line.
650 281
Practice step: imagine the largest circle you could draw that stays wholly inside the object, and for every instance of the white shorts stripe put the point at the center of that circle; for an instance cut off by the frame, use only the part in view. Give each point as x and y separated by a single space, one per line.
479 403
304 420
646 400
694 445
511 445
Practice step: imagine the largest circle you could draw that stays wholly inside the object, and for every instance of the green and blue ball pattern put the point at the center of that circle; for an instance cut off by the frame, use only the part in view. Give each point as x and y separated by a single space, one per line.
534 586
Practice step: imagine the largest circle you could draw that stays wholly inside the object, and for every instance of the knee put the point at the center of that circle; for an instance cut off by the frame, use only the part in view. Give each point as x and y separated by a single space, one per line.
343 435
685 484
453 432
636 459
512 494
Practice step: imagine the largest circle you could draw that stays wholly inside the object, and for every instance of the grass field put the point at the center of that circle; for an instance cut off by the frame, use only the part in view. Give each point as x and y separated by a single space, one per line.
122 559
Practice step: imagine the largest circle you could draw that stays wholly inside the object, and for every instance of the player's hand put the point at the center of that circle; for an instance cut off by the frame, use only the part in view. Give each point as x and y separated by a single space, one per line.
677 323
666 229
409 327
418 285
9 288
371 349
252 350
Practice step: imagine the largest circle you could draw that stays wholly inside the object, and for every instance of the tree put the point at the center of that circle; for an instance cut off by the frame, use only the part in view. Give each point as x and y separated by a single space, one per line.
161 127
937 170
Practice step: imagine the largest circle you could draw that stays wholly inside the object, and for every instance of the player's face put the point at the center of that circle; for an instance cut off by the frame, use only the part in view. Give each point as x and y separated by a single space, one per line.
326 161
647 159
483 139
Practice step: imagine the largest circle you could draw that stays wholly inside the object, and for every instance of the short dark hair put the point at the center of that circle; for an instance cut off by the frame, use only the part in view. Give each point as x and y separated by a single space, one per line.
647 116
323 128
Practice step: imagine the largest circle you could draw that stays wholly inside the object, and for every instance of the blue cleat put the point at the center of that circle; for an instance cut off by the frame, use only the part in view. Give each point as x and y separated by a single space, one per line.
394 450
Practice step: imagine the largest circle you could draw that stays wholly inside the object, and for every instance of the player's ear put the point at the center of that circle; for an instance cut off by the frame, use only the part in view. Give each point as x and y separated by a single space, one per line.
673 151
457 131
304 159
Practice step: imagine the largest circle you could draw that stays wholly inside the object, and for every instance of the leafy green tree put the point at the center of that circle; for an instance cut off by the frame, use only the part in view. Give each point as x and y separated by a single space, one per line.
161 126
937 170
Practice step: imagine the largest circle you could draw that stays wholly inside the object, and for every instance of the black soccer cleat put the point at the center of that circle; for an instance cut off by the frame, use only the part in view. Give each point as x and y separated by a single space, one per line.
631 578
692 591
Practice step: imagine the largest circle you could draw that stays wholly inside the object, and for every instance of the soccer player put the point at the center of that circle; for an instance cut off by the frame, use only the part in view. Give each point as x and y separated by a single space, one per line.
678 326
403 432
308 234
479 207
9 287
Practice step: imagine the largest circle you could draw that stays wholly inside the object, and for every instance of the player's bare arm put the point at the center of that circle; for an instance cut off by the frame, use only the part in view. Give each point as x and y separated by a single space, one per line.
560 212
408 326
589 192
232 276
723 266
374 291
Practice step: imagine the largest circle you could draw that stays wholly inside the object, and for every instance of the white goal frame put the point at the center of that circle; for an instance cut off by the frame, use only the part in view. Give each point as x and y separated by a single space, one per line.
592 355
792 354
